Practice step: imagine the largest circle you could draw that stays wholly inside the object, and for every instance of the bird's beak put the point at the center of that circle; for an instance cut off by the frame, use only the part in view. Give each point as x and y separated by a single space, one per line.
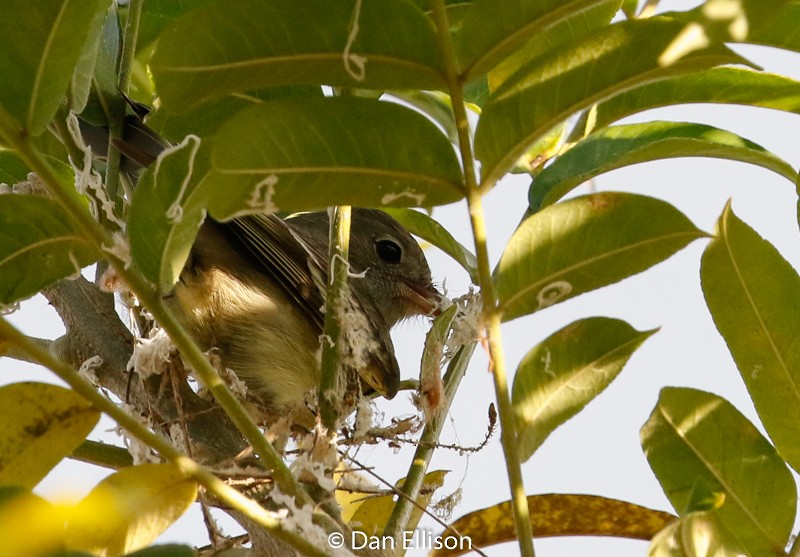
385 384
426 299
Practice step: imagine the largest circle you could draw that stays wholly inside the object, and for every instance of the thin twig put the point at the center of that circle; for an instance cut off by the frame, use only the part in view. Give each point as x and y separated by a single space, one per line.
452 447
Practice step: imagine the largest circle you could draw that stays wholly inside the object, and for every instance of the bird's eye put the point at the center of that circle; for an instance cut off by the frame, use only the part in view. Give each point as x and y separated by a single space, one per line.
388 251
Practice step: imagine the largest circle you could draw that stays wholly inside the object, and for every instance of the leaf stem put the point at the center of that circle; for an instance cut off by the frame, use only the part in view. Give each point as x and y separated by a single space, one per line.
491 312
508 433
337 292
401 513
129 40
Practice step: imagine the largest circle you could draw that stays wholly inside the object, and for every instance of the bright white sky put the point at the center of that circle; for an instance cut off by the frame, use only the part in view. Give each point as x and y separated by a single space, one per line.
598 452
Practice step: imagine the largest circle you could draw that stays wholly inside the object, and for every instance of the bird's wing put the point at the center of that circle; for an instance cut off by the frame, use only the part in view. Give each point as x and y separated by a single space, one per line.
275 250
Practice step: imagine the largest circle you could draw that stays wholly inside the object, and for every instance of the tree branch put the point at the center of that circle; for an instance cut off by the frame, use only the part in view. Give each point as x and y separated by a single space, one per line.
94 329
15 353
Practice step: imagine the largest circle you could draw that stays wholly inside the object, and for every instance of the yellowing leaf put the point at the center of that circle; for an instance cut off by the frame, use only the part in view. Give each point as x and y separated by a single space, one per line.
130 509
369 513
556 515
29 525
41 425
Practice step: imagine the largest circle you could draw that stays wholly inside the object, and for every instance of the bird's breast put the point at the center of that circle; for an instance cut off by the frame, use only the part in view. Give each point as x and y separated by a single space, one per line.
259 332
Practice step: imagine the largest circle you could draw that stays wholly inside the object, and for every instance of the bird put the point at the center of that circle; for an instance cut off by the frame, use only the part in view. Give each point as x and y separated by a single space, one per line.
253 290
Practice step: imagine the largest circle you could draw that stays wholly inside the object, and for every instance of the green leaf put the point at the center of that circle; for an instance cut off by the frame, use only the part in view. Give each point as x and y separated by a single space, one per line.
38 246
39 49
494 29
223 47
51 147
477 92
563 32
779 27
105 97
167 210
448 4
42 424
206 120
129 509
702 497
538 154
584 243
753 294
765 22
435 105
625 145
297 155
81 82
12 168
563 81
563 373
694 436
557 514
717 85
9 493
629 8
456 10
157 15
423 226
698 534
